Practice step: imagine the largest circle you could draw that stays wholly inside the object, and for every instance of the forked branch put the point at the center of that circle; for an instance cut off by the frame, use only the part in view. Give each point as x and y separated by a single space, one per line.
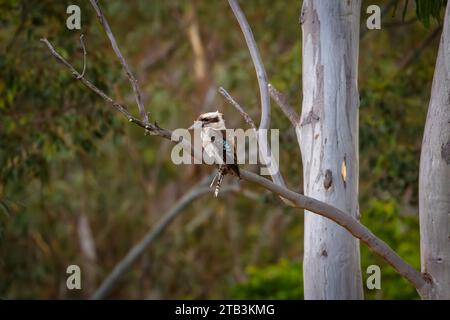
123 62
238 107
84 56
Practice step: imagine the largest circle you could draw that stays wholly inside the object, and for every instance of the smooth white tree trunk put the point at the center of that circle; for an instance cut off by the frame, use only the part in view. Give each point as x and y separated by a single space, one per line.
434 181
328 137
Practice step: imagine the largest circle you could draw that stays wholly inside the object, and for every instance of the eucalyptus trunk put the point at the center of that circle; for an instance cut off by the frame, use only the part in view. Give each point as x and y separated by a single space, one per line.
434 181
328 137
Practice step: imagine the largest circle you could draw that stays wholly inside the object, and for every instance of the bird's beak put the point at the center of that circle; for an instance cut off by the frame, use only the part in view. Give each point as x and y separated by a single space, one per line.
196 125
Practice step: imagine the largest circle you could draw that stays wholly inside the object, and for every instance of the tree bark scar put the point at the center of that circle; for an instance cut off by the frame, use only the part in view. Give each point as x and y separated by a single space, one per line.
311 118
445 152
427 277
328 181
344 171
302 17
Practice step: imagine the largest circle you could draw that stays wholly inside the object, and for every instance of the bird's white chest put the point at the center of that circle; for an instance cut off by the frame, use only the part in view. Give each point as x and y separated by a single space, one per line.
211 142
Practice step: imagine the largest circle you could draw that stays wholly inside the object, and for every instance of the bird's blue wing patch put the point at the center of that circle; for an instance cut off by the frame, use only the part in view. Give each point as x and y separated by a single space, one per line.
227 146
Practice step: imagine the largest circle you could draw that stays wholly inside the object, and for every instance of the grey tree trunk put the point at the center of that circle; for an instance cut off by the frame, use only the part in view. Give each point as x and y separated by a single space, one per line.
328 137
434 180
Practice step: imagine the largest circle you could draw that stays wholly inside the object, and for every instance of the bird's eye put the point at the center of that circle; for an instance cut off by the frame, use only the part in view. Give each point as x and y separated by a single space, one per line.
213 139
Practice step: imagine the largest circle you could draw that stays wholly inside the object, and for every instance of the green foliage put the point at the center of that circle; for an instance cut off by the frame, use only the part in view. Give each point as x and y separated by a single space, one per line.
282 280
402 234
425 10
392 115
42 120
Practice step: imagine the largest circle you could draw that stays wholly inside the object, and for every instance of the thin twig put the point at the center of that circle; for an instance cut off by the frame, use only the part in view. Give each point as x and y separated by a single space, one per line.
153 128
412 56
282 101
238 107
421 282
138 249
122 109
84 57
400 23
123 62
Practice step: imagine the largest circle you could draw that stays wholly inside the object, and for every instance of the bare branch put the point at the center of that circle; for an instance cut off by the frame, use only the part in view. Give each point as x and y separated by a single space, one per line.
412 56
123 62
122 109
84 57
281 100
152 128
238 107
137 250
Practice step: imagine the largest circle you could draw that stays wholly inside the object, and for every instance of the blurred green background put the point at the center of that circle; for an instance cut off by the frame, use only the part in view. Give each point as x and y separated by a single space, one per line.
70 166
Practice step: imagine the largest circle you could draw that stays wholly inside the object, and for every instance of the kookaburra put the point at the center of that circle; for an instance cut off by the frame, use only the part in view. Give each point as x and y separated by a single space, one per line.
217 145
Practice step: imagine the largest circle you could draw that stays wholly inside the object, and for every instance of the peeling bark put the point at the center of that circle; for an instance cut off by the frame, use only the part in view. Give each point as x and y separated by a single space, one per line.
328 137
434 180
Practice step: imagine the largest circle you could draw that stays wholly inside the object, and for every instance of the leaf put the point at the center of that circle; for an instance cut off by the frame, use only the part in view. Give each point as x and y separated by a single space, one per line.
427 9
405 8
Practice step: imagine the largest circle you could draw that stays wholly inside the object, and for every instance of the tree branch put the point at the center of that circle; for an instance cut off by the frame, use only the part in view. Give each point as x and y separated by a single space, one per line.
412 56
138 249
84 56
123 62
152 127
238 107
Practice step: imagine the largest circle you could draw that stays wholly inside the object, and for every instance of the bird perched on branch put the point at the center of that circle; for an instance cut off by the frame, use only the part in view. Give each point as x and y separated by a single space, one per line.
217 145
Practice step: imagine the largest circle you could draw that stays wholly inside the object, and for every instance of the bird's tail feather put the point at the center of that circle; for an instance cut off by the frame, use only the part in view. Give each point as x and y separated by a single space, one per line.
219 183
